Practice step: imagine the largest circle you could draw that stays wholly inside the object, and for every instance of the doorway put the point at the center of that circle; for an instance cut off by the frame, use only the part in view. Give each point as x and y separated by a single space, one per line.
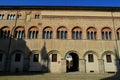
72 62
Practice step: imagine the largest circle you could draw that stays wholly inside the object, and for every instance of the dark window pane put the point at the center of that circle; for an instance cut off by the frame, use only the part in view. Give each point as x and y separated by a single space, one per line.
17 57
90 58
1 56
35 57
54 57
108 58
103 37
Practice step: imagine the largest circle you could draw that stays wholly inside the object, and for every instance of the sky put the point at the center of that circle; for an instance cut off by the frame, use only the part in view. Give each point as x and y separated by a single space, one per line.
105 3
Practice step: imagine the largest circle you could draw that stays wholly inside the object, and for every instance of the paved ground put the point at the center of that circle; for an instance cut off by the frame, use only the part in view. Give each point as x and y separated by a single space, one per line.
63 76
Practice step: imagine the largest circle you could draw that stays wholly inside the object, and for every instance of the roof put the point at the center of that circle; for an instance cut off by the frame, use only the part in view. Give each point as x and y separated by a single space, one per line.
91 8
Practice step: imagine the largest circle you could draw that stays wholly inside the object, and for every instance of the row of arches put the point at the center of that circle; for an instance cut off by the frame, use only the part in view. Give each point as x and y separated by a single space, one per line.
62 33
54 60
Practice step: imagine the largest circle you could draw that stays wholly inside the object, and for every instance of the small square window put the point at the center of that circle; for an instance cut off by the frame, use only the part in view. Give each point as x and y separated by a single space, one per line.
17 57
90 58
108 58
19 16
37 16
54 57
36 58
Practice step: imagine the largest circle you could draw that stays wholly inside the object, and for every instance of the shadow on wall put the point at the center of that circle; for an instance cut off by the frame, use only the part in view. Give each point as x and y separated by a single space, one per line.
15 57
116 75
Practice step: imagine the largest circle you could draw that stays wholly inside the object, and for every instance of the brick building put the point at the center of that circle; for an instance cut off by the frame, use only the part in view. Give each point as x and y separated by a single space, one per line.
59 39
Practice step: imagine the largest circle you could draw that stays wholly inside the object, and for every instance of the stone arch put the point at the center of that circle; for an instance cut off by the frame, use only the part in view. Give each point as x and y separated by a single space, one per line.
107 52
54 61
110 61
91 61
12 53
51 52
35 61
72 51
90 51
17 61
72 64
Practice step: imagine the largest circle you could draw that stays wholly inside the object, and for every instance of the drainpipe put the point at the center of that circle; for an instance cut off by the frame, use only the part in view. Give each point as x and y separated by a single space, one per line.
8 56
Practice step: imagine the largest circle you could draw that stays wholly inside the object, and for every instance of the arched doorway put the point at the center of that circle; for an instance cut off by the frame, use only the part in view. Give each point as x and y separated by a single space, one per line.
72 62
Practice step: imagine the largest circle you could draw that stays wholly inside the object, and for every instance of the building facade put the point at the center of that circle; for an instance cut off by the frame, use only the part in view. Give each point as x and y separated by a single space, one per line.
59 39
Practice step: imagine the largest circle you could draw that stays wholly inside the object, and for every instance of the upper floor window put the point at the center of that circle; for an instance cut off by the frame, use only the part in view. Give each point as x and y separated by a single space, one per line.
19 16
5 32
33 33
118 34
91 33
47 33
17 57
90 58
37 16
76 33
62 32
19 33
11 16
1 16
106 33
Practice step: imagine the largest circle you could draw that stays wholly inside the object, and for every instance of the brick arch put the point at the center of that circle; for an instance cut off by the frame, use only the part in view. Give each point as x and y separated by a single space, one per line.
106 29
5 32
33 28
47 32
106 33
19 32
62 28
62 32
34 31
48 28
91 29
76 28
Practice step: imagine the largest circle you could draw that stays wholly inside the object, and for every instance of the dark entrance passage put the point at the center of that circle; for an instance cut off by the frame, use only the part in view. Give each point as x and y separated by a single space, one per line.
72 65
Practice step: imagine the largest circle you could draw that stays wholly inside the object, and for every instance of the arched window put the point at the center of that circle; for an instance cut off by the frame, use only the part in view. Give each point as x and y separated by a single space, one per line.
118 34
47 33
19 33
5 32
62 33
33 33
76 33
91 33
11 16
106 33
